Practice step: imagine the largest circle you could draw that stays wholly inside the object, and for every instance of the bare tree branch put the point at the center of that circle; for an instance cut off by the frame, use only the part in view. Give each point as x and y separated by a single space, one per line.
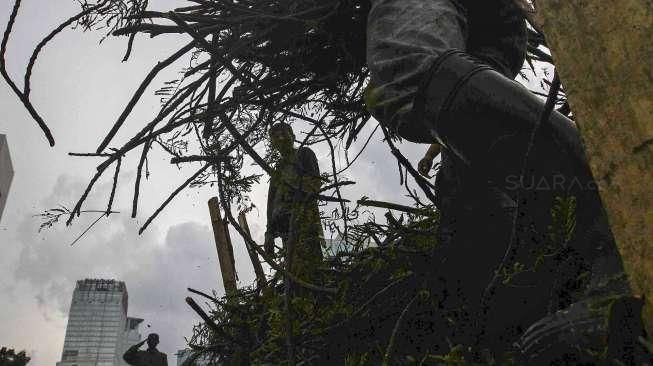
172 195
3 70
139 92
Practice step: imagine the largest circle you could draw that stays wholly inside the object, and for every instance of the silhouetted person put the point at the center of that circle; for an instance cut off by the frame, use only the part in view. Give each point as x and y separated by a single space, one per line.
293 212
149 357
441 71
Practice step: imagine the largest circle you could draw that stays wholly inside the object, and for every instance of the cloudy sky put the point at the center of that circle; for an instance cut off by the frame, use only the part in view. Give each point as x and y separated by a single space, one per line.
80 87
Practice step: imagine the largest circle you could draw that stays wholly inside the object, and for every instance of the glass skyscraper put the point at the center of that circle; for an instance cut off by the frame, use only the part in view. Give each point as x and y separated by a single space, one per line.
99 331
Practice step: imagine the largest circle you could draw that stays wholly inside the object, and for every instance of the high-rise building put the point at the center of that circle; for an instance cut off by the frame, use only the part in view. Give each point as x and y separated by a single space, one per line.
132 335
99 331
6 172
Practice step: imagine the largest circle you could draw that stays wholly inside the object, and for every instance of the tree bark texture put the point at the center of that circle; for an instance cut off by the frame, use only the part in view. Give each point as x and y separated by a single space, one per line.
603 52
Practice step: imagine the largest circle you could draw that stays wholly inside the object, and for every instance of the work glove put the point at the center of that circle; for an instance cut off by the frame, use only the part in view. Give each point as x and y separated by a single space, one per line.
424 166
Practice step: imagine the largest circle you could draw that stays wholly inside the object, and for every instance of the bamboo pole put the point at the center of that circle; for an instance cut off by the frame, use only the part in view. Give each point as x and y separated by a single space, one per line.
224 247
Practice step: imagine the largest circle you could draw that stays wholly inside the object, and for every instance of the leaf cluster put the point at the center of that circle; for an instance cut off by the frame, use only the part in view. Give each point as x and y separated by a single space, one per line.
9 357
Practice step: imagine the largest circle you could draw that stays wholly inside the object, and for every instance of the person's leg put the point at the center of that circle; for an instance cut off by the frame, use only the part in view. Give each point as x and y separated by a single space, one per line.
404 39
475 110
486 120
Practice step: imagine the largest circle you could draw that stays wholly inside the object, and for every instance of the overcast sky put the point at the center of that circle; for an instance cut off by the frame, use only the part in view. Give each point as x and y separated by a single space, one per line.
80 87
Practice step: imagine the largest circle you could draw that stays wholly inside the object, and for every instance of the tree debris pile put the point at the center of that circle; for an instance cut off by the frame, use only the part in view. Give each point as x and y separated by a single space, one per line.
258 62
280 54
392 306
252 64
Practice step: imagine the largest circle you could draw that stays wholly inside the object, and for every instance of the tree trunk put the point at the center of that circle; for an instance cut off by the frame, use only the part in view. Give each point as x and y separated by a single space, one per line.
603 52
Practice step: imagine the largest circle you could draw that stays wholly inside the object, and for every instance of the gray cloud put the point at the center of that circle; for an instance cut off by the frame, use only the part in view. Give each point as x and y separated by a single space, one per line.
157 271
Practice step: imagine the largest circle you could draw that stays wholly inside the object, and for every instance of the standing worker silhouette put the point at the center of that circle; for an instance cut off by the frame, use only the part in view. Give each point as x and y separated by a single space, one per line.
293 212
149 357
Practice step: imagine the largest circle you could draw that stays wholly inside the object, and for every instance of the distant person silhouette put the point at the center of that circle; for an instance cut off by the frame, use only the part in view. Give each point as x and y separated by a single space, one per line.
150 357
293 212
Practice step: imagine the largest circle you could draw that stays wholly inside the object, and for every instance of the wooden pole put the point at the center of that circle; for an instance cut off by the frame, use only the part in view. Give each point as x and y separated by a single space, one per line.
258 268
223 245
603 50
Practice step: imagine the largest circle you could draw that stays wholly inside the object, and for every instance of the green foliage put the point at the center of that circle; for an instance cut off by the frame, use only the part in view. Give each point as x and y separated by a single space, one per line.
350 327
357 359
356 325
563 224
9 357
560 232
